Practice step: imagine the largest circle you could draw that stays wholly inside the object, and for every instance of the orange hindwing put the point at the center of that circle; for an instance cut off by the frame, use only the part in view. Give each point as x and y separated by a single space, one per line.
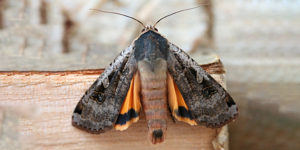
178 107
131 106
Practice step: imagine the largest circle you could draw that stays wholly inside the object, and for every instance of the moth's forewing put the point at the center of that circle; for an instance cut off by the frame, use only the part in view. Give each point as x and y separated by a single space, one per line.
208 102
99 107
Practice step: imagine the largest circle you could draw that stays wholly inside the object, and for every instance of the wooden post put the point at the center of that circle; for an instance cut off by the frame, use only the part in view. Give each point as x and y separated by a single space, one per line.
36 109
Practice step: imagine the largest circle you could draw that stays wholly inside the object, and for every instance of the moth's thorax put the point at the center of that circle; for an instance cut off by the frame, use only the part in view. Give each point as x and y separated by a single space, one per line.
151 45
153 78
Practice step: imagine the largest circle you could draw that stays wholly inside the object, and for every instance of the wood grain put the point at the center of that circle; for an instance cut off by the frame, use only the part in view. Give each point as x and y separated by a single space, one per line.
36 109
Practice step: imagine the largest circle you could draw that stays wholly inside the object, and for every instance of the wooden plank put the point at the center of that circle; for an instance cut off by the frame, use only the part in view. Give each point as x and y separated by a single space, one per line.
36 109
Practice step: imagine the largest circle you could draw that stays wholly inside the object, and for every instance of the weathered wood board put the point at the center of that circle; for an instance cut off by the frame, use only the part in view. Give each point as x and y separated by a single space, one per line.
36 109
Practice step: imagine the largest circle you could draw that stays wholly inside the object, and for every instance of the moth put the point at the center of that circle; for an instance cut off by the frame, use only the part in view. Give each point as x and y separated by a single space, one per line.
153 76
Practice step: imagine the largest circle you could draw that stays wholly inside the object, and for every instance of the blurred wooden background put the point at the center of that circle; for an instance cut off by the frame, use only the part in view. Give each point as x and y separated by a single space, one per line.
256 40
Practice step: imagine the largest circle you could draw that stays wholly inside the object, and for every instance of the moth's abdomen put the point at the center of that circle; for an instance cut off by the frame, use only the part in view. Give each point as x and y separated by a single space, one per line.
154 97
154 101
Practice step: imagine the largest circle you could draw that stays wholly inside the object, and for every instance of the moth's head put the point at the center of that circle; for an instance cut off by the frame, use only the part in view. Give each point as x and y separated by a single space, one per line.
149 28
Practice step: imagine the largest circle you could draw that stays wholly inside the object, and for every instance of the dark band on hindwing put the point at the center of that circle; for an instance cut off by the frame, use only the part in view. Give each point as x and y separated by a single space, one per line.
124 118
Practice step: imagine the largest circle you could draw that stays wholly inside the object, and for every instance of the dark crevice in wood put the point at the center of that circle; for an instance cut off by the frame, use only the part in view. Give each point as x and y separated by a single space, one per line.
68 26
43 12
210 20
2 8
206 40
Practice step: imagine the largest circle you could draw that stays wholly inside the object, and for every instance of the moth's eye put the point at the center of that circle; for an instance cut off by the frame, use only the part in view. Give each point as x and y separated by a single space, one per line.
143 30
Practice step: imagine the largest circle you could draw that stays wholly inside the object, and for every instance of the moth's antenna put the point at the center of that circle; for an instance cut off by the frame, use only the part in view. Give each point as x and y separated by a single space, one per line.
110 12
176 13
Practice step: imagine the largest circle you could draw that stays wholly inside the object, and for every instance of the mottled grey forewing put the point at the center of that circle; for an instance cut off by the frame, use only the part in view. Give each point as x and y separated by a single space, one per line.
99 107
208 102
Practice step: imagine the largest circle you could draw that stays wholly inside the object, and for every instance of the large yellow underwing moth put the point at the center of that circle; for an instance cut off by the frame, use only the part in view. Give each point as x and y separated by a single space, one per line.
154 75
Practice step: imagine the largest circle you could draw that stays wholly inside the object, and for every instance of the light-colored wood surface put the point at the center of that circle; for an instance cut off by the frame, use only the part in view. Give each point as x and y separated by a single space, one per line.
36 110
